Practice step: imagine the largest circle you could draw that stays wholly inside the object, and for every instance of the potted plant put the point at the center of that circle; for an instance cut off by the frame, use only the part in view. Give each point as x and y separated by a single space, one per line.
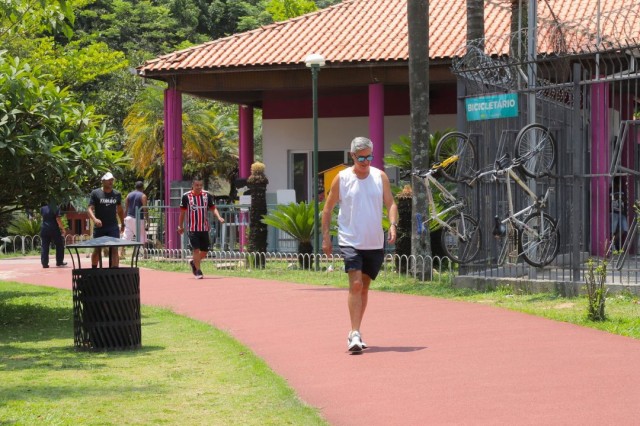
297 220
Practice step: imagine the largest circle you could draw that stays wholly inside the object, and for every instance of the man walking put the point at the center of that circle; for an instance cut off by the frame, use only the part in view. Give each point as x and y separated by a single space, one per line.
197 203
136 203
105 207
361 190
51 231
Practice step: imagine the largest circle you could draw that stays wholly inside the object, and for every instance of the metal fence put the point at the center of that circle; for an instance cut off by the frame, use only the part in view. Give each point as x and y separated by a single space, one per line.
586 91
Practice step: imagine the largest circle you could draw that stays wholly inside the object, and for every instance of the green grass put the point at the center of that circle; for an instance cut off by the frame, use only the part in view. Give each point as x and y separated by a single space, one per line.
623 311
187 372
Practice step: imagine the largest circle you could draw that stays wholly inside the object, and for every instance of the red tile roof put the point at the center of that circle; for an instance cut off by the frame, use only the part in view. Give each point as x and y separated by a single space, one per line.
359 31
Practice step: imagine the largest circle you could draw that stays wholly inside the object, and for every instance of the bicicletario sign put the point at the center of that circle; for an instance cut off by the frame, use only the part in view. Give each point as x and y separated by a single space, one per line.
490 107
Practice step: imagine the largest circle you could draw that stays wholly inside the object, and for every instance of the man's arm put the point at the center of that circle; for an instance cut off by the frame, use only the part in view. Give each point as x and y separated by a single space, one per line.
216 213
181 222
126 204
145 211
392 208
92 216
120 212
327 211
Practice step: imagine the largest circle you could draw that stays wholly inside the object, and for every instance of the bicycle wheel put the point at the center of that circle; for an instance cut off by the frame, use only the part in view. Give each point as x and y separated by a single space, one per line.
457 143
465 249
536 150
539 239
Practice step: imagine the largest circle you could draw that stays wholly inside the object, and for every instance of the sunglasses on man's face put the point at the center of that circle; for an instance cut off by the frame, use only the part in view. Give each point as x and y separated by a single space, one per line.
362 158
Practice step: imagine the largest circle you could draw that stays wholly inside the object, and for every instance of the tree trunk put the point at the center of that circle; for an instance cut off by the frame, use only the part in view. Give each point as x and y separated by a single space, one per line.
403 239
518 23
418 28
475 23
258 230
305 252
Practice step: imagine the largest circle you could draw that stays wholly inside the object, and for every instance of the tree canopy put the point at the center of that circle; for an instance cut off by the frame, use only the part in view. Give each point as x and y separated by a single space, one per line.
51 146
67 86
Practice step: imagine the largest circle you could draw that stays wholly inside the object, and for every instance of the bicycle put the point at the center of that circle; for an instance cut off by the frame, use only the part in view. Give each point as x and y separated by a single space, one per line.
461 235
535 148
621 255
538 237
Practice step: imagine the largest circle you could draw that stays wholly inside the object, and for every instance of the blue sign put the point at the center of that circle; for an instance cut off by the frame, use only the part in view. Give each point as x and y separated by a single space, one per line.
489 107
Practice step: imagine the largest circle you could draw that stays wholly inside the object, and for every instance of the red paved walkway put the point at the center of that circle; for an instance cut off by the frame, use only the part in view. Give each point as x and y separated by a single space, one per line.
431 361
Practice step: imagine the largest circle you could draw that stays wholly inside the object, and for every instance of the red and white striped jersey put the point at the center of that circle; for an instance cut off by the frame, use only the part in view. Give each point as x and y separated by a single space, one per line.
197 207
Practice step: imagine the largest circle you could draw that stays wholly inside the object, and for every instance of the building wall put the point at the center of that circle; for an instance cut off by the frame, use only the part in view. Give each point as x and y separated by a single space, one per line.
280 136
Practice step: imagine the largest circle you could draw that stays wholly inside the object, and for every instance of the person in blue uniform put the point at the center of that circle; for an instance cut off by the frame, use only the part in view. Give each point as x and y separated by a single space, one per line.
51 231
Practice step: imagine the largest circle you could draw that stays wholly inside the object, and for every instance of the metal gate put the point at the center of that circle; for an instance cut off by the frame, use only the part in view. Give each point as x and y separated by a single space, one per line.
583 85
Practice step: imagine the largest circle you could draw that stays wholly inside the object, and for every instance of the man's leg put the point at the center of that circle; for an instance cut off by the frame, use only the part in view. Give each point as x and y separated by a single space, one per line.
366 281
59 242
355 300
44 250
95 257
197 257
115 258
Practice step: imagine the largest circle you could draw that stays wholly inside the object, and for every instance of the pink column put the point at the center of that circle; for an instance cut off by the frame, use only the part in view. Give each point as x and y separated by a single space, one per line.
172 160
600 218
376 122
627 107
245 115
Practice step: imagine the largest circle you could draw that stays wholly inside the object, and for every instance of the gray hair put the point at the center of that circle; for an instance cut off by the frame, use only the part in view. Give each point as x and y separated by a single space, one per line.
360 143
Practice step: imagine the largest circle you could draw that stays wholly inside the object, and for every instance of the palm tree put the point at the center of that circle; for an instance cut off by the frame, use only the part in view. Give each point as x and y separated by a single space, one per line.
297 221
475 23
209 136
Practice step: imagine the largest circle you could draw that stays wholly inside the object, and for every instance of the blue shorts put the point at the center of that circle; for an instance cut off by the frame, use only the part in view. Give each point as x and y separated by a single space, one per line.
106 231
199 240
367 261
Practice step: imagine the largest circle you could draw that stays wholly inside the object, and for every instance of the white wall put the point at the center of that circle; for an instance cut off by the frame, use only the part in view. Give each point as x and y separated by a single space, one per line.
282 136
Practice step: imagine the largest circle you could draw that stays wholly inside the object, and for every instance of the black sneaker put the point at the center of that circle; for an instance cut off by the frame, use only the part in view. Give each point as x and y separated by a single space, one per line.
199 275
193 267
61 264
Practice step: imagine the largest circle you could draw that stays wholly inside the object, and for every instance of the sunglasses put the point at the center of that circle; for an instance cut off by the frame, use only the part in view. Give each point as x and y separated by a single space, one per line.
362 159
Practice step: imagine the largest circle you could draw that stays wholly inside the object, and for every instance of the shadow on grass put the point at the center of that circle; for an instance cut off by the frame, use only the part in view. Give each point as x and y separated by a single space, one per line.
43 392
32 321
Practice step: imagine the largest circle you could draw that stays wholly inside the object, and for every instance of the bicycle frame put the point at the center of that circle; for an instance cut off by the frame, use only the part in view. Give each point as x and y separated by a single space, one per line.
512 220
456 205
536 202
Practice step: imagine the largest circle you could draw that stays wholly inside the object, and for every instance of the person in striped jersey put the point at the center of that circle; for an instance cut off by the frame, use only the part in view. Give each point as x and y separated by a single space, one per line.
196 204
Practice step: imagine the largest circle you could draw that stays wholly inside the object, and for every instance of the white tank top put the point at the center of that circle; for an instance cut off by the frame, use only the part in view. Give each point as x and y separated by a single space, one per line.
360 215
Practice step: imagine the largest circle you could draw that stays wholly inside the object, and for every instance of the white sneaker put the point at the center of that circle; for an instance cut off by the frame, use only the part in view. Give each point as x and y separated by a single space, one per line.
364 345
355 342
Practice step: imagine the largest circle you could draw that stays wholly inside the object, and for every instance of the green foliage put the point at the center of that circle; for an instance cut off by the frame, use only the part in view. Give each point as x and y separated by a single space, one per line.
23 225
281 10
294 219
18 17
596 278
50 145
401 156
209 136
187 372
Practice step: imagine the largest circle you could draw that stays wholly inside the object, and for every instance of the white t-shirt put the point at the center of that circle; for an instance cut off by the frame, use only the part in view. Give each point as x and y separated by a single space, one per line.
360 215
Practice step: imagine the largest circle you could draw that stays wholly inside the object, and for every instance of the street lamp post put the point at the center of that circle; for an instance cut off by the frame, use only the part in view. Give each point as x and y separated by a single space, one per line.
315 61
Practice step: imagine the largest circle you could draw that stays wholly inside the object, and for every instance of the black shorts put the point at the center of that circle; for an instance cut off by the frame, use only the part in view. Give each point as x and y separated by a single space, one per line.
367 261
106 231
199 240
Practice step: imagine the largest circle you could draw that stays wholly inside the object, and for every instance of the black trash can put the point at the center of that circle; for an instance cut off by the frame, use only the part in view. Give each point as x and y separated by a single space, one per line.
106 301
